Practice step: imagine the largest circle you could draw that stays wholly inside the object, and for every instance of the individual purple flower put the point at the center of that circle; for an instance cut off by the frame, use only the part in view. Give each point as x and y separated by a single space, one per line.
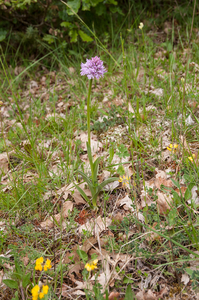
93 68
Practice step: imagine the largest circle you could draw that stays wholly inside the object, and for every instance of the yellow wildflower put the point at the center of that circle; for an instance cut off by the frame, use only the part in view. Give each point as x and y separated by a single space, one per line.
38 266
92 266
172 147
95 261
35 292
124 180
45 289
47 265
41 295
191 158
39 262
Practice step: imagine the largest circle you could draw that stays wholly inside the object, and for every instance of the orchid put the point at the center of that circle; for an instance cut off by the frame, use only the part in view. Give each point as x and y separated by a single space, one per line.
93 68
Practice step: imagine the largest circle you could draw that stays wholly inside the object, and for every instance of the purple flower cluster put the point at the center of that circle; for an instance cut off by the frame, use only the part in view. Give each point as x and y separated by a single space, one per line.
93 68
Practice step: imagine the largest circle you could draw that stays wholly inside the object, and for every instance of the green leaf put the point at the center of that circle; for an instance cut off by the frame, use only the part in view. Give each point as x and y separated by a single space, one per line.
94 256
175 183
172 215
105 182
101 9
11 283
65 24
129 294
116 9
90 156
18 267
84 36
83 195
3 34
26 280
188 193
120 170
16 296
16 276
96 168
176 197
48 38
82 254
127 280
73 6
73 34
87 180
85 6
189 271
111 154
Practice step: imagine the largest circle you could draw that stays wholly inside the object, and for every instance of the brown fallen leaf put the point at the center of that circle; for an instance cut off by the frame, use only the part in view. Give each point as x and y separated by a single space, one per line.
73 254
88 244
101 223
95 144
25 259
126 202
148 295
70 189
66 290
101 254
1 276
163 292
112 296
181 191
131 109
76 268
163 203
82 217
146 199
194 195
3 163
78 198
185 278
161 178
49 223
162 181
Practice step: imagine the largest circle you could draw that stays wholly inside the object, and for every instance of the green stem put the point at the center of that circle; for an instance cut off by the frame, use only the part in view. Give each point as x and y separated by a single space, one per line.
88 112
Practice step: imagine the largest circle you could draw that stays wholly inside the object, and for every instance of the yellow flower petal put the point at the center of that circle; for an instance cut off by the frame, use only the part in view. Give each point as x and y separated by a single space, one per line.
38 267
39 260
95 261
120 179
45 289
35 292
41 295
88 267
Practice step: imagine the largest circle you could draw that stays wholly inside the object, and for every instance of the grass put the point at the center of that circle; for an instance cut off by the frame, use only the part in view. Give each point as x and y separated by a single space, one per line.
41 131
